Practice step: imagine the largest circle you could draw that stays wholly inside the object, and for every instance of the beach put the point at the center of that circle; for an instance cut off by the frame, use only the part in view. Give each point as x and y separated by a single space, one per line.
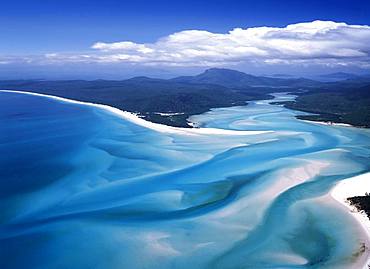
150 125
350 187
329 123
116 180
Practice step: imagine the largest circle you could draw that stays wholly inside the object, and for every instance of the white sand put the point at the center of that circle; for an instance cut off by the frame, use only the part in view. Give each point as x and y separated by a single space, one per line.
150 125
169 114
355 186
285 179
329 123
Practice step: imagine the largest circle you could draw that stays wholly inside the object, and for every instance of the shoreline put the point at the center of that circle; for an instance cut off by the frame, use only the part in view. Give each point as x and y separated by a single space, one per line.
330 123
354 186
132 117
350 187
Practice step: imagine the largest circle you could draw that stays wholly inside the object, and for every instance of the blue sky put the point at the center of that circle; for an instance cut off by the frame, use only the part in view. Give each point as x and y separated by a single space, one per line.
35 28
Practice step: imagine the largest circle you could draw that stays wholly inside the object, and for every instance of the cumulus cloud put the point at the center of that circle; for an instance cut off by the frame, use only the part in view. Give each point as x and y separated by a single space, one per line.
316 42
310 43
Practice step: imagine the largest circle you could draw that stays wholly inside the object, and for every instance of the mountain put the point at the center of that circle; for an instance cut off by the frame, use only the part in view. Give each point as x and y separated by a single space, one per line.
225 77
143 95
236 79
280 76
338 76
343 101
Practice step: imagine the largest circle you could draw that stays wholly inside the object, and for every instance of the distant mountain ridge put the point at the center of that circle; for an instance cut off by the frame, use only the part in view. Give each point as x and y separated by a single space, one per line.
339 76
146 96
237 79
345 101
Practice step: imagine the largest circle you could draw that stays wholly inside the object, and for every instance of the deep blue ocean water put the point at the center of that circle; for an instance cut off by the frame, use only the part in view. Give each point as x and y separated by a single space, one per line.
81 187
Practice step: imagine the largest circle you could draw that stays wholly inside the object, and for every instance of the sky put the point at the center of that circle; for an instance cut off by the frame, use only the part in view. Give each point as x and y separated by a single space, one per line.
119 39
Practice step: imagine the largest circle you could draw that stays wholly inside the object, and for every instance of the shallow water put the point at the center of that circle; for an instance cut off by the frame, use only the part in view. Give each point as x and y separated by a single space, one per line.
81 187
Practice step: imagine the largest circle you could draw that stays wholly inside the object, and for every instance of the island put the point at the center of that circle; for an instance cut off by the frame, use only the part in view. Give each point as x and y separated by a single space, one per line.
173 101
362 203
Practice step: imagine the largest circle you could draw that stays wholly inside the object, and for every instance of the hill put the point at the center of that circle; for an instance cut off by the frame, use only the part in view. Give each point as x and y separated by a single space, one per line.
339 76
236 79
338 103
146 96
172 101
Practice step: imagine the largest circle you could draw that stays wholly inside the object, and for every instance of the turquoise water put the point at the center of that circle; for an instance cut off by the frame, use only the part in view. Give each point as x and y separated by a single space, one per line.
81 187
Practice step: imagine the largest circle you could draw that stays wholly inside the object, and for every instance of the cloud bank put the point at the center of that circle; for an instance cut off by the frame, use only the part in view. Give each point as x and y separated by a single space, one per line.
309 43
317 42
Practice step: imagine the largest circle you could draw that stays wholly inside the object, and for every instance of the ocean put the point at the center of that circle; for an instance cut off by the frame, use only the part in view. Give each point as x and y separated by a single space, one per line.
84 187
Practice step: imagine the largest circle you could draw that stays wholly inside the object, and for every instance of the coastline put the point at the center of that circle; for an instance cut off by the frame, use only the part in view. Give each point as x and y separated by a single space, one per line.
129 116
355 186
342 194
330 123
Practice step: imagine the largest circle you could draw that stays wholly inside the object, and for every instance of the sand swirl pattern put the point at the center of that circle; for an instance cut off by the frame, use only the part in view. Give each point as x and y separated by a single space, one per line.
85 186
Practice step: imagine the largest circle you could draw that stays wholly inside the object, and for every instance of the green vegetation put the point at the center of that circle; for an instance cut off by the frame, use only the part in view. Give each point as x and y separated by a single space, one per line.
145 96
346 101
362 203
345 105
236 79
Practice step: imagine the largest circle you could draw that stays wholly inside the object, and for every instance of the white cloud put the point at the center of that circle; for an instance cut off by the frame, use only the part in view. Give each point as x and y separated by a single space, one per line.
312 43
319 42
